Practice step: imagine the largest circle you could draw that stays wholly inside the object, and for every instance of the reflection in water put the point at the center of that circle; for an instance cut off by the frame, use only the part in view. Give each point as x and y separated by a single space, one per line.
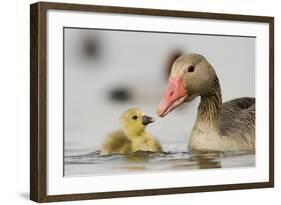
138 157
93 163
207 160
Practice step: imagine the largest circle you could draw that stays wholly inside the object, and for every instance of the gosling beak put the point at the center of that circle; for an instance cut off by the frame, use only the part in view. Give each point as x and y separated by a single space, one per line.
174 96
146 120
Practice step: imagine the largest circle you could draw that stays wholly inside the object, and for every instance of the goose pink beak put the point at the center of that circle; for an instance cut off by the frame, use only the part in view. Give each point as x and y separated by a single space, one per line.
173 97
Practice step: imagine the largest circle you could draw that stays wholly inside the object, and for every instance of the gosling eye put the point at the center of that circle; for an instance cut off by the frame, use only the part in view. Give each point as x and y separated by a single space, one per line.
135 117
190 69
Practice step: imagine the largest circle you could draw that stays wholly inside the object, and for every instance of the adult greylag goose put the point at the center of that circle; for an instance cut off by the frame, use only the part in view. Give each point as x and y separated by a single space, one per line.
228 126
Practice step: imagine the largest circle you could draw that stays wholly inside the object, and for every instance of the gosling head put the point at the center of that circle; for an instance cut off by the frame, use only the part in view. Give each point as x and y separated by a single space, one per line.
191 76
134 121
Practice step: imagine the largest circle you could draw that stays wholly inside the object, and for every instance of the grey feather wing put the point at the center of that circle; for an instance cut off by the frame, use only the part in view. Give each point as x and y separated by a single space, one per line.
237 120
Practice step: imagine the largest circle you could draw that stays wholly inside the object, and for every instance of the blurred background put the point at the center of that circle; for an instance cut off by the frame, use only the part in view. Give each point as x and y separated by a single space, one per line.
106 72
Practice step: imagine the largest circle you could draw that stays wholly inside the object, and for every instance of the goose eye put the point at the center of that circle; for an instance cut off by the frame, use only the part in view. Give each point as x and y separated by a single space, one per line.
135 117
190 68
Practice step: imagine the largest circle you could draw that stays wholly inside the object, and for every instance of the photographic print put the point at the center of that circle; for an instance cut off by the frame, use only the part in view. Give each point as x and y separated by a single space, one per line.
116 108
135 102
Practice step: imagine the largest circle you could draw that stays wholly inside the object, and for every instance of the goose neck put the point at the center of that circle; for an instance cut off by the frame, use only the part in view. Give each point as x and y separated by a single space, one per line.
209 107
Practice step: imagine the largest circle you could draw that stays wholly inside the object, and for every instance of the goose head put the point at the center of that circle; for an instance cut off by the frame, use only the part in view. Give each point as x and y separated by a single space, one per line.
134 121
191 76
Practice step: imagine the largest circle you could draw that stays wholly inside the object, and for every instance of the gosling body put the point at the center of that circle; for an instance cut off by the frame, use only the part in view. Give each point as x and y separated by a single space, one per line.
132 137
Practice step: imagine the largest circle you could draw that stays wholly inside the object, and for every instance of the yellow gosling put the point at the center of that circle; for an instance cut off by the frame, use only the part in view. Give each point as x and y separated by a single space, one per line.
132 137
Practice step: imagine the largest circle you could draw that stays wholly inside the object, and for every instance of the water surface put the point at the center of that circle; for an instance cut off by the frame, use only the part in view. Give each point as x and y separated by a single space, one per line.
95 164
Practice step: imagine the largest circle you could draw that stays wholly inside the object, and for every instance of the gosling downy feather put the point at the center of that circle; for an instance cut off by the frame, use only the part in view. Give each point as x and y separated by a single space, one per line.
228 126
132 137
